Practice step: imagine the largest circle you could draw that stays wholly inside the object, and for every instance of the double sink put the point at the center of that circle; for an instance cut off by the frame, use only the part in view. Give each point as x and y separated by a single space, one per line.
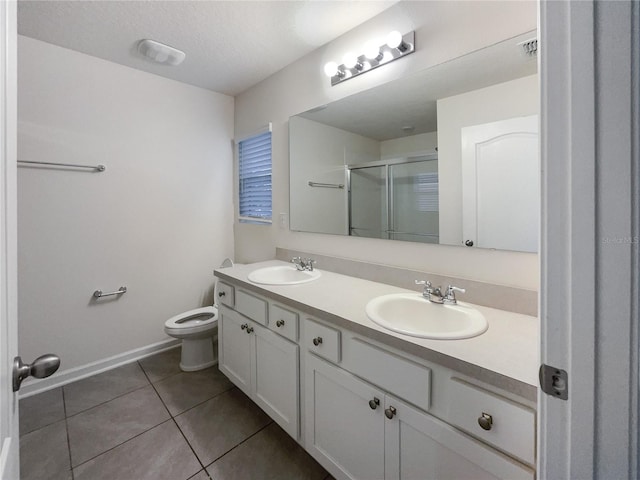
405 313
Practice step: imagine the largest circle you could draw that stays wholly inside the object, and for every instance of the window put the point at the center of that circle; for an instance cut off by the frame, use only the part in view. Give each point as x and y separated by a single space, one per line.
254 173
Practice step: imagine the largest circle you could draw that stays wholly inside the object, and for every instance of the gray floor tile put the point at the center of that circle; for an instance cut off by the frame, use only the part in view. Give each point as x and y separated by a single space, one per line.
160 453
92 391
162 365
105 426
202 475
271 454
221 423
44 454
41 410
187 389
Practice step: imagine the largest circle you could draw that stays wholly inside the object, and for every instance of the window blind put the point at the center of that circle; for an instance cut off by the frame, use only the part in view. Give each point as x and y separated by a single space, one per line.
254 172
426 188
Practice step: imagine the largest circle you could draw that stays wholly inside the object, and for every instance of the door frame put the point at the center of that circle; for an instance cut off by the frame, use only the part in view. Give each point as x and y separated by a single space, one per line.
9 428
589 237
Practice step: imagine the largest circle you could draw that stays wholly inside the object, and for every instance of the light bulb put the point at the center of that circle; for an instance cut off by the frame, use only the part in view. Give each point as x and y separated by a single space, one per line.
394 39
350 60
372 50
331 69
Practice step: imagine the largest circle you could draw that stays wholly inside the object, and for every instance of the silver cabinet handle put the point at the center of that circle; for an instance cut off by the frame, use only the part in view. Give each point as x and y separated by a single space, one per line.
485 421
250 330
390 412
41 367
317 341
374 403
244 326
280 323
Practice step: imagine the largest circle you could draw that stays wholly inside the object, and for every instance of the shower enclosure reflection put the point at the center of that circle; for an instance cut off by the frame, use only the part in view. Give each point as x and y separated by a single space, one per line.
397 200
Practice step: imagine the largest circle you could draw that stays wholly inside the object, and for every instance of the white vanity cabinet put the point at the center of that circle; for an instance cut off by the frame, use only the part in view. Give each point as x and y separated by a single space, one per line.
263 364
358 430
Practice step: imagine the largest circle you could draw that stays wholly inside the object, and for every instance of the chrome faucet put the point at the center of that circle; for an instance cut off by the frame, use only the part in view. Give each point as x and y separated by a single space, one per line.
450 295
434 294
303 264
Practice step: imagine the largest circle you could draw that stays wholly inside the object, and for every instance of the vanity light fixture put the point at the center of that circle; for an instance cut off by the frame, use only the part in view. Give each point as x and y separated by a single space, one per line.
160 53
396 46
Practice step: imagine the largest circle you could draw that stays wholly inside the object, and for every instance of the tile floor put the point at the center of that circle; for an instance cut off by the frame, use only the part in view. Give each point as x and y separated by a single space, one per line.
150 420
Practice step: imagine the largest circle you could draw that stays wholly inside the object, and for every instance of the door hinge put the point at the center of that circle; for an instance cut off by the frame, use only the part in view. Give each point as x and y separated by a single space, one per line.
554 381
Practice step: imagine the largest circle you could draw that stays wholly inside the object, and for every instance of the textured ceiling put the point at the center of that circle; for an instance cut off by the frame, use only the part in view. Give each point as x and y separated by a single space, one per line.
230 45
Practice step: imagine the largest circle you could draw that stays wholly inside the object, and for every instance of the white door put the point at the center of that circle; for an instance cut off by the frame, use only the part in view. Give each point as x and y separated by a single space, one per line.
501 184
234 348
9 461
275 381
343 432
418 445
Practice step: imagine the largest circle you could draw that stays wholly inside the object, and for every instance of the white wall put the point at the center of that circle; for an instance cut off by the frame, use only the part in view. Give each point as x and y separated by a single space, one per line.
420 144
320 154
158 220
444 30
516 98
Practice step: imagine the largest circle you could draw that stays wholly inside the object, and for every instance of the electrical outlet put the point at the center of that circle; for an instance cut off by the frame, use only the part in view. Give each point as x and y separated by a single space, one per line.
283 220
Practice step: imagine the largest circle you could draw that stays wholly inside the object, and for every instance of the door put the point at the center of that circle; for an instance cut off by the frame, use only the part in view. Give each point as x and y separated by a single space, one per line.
418 445
234 348
9 461
501 184
368 202
345 426
276 378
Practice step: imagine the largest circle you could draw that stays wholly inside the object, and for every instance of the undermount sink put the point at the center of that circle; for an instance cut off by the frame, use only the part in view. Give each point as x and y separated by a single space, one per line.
282 275
412 314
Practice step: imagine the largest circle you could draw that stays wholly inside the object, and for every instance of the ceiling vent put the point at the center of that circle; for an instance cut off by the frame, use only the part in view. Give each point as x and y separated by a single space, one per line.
529 48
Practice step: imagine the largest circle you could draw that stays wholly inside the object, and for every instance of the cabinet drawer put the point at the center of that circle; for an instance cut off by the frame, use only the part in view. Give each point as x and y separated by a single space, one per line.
252 307
283 322
225 294
406 379
512 427
322 340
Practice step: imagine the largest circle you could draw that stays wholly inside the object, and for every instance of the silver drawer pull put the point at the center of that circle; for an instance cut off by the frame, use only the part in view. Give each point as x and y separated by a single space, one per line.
485 421
390 412
221 294
374 403
317 341
280 323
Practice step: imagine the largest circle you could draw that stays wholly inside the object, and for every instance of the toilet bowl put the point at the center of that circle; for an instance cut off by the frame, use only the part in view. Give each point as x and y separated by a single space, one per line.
197 329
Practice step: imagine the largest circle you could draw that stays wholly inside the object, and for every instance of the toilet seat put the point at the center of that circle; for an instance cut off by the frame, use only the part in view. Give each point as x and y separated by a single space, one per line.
198 320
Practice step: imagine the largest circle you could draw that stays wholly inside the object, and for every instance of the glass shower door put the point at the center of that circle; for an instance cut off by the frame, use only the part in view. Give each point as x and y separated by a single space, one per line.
413 209
368 202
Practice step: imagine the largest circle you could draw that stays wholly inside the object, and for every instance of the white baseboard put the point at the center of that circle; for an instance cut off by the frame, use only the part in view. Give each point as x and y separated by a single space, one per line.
34 386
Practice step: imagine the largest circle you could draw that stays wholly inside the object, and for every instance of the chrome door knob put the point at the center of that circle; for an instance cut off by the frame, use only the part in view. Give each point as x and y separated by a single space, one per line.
280 323
250 330
485 421
390 412
469 243
317 341
374 403
244 326
41 367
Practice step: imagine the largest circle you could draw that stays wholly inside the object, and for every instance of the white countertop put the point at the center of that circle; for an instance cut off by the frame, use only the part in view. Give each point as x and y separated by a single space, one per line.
508 348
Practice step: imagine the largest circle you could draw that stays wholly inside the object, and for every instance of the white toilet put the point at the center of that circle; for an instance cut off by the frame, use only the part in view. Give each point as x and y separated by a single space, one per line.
197 328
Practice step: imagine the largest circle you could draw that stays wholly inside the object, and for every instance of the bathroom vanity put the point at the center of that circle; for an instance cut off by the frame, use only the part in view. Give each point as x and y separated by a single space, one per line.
369 403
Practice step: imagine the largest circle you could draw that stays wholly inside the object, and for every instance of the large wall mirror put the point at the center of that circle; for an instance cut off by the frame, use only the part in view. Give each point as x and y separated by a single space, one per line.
446 156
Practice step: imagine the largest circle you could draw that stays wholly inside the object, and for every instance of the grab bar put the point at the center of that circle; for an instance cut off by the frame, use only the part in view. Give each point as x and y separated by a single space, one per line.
99 168
326 185
99 294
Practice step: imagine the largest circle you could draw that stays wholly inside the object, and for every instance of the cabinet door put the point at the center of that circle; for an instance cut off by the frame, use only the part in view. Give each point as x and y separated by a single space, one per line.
234 349
342 431
419 446
276 378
